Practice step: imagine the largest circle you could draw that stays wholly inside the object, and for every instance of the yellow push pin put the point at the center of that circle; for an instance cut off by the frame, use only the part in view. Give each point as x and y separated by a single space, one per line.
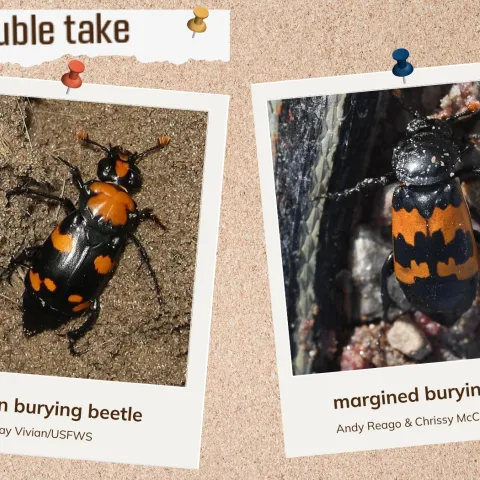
197 24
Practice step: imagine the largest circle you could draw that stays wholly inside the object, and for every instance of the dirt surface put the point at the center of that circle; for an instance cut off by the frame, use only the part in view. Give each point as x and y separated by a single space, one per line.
127 343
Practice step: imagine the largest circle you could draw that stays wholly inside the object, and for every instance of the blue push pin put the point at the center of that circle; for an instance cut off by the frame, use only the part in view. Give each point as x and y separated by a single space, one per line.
402 68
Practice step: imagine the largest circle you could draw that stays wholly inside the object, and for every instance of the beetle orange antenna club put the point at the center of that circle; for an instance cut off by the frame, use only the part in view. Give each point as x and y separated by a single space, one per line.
162 142
83 136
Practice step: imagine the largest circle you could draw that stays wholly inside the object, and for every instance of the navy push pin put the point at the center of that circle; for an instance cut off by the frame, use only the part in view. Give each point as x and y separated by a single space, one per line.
402 68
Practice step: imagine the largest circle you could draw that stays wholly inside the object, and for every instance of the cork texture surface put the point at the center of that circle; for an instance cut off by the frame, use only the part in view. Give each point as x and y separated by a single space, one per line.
242 433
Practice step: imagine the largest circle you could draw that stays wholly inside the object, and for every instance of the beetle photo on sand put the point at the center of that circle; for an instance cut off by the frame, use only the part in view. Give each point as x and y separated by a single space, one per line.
82 273
68 274
378 210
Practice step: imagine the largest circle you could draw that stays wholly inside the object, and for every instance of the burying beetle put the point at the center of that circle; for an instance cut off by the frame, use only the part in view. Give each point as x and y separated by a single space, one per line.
434 255
69 272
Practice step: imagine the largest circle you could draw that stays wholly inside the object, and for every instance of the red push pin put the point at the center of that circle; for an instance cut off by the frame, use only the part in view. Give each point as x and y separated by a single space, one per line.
72 78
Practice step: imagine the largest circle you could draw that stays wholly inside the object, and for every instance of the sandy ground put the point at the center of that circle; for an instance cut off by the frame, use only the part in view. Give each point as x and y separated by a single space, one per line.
127 343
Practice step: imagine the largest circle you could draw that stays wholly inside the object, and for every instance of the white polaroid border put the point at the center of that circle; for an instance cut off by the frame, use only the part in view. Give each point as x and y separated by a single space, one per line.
310 421
170 432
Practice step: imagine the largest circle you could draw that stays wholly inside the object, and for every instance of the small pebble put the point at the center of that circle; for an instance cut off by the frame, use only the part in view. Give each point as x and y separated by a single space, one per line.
408 338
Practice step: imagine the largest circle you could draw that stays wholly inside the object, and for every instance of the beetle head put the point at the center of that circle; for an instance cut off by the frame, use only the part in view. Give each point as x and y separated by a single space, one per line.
120 166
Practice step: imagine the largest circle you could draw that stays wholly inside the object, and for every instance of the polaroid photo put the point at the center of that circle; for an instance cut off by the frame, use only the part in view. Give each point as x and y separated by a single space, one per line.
109 214
370 192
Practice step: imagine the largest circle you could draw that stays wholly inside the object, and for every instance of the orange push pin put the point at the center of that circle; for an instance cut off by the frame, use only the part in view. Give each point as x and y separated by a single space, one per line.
72 78
197 24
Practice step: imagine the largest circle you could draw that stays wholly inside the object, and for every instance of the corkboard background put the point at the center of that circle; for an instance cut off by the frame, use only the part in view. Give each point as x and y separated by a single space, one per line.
270 41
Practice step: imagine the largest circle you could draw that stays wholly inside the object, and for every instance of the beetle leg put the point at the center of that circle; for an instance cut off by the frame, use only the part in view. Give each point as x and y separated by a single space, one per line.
147 214
146 259
468 174
475 138
476 236
26 181
74 173
398 96
23 258
23 190
473 144
387 272
75 335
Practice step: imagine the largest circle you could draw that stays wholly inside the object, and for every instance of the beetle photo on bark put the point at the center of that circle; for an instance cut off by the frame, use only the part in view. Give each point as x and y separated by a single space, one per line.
99 213
378 210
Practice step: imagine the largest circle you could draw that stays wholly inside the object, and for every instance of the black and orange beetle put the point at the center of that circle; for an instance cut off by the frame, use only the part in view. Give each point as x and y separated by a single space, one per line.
434 255
68 273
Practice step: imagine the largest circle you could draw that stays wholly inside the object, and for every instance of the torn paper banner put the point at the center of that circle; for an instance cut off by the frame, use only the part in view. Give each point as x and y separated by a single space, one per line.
31 37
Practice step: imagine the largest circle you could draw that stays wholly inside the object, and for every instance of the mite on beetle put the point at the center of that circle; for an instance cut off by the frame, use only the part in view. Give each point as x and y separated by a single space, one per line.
68 273
434 255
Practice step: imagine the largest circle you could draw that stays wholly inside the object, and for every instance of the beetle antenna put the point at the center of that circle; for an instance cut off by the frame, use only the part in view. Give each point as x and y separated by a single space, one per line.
397 94
83 136
473 108
363 186
162 142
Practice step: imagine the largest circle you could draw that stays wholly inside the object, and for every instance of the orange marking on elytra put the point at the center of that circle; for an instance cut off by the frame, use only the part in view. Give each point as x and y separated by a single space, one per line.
447 221
110 203
35 280
62 242
103 264
408 274
121 168
50 284
463 271
450 220
408 224
81 307
75 298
